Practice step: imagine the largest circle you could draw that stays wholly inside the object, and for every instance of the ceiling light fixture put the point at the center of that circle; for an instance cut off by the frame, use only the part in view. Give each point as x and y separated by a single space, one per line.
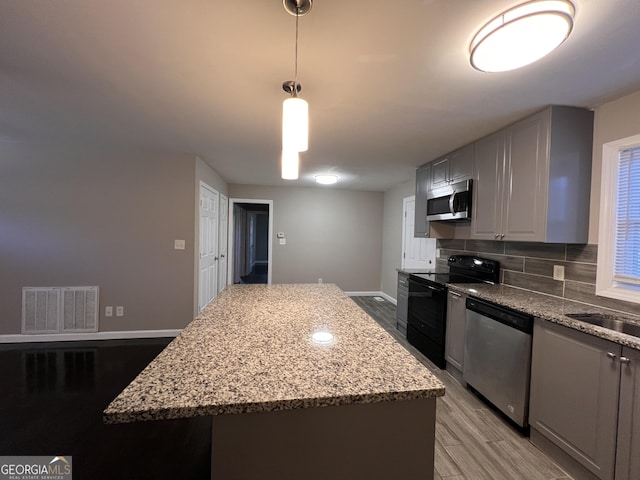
522 35
295 110
326 179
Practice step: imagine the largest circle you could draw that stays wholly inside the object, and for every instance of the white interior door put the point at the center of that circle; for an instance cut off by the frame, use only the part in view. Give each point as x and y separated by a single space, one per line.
416 252
222 242
208 245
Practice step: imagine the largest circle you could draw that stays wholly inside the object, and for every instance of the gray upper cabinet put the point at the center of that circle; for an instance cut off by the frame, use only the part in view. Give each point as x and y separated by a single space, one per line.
452 168
575 379
488 174
532 180
439 173
627 458
461 164
423 184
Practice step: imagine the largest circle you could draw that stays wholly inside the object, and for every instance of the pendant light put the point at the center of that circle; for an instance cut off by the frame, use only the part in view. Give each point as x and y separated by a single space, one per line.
295 110
290 164
522 35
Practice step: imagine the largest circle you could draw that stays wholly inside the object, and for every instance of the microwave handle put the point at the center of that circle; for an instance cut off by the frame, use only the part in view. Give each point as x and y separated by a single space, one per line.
452 199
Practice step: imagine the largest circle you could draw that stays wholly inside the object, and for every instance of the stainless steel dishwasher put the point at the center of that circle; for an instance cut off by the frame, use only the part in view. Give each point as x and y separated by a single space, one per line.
497 357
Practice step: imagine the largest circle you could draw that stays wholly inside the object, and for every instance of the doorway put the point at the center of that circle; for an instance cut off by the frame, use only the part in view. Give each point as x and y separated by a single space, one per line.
250 247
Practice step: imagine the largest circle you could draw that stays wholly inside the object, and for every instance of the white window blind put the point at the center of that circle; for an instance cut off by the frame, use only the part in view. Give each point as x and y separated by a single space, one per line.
627 218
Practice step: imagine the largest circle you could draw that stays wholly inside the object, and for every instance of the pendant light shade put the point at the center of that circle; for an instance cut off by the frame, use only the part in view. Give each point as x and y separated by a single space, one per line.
522 35
290 162
295 125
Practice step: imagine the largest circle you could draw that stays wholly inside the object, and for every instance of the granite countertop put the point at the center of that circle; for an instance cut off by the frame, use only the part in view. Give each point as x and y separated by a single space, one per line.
553 309
251 351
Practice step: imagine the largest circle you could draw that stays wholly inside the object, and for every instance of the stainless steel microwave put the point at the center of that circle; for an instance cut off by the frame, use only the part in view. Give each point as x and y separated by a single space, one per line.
452 202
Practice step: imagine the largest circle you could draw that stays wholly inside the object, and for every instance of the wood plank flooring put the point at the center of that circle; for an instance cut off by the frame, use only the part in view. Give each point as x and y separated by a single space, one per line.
473 442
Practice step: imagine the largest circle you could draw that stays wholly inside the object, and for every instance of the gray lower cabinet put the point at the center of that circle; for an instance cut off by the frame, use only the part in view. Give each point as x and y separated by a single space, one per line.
423 184
455 330
533 179
402 307
628 453
584 408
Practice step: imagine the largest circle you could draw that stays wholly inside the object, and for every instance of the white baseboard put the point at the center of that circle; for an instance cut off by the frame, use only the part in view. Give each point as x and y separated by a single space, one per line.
388 298
73 337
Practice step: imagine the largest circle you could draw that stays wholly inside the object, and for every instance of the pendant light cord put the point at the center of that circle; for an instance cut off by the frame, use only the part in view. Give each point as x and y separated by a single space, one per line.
295 74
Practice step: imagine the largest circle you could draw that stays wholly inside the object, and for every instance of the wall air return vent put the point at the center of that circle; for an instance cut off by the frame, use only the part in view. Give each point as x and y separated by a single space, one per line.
59 309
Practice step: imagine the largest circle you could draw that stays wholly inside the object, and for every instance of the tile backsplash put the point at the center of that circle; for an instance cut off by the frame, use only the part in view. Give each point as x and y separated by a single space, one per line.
530 266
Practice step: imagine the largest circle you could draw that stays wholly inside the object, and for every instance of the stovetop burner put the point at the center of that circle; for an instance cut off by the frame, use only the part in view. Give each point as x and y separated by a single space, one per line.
464 269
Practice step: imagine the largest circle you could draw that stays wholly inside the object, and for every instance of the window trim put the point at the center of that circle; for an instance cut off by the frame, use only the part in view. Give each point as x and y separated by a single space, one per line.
606 285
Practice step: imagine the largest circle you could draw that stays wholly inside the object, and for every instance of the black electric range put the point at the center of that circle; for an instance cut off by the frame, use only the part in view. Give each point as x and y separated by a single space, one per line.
427 316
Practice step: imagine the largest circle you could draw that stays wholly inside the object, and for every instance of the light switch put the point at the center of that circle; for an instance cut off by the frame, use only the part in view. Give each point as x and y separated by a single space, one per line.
178 244
280 235
120 311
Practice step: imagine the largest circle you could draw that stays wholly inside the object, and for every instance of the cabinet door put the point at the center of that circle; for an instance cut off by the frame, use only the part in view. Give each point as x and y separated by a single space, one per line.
461 164
440 172
423 183
456 321
628 459
488 174
574 394
526 181
402 306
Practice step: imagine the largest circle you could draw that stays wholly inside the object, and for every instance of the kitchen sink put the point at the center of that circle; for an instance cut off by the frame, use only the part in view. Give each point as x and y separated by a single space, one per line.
607 321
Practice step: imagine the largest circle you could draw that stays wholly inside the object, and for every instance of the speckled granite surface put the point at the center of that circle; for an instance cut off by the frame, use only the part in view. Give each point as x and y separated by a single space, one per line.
553 309
251 351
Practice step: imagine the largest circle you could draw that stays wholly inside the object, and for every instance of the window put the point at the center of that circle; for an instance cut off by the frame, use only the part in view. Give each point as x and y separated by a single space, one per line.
619 235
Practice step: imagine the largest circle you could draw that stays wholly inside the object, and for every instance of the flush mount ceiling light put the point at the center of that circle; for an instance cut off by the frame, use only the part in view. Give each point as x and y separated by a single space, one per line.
326 179
522 35
295 110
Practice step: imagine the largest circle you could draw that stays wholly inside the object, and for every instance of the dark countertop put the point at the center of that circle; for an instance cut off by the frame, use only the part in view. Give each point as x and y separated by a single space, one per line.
553 309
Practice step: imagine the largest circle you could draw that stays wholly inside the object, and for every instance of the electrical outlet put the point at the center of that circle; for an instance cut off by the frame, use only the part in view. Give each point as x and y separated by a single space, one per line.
558 272
119 311
108 311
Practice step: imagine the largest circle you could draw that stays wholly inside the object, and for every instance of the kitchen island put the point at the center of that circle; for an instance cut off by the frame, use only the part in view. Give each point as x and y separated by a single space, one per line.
356 405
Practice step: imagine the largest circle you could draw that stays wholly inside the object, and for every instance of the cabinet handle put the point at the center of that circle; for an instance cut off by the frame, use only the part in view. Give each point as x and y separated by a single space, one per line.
502 235
497 235
611 355
625 360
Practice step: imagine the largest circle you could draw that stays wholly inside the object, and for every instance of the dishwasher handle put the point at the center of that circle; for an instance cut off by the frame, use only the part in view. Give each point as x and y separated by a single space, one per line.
512 318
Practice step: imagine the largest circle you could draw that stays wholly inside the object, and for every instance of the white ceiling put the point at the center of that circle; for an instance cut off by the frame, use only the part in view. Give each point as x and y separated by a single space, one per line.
389 83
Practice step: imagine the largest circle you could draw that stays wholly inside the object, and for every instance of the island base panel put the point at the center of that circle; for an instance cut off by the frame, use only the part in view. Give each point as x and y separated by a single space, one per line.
347 441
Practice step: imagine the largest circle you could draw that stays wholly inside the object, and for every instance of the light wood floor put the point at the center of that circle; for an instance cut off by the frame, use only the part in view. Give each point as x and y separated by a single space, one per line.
473 442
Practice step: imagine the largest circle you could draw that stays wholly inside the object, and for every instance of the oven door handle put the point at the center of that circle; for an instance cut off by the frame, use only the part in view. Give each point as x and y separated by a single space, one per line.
452 200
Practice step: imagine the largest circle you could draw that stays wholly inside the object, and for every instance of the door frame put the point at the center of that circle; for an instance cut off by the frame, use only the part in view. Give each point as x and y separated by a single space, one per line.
231 236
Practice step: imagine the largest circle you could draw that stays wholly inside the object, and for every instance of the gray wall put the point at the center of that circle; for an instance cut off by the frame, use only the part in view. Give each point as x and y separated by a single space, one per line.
392 234
331 234
613 121
107 219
